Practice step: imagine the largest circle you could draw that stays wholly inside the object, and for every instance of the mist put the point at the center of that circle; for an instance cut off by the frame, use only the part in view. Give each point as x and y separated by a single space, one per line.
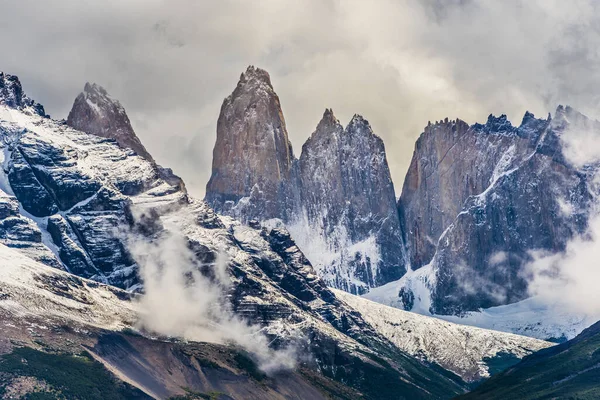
182 301
569 279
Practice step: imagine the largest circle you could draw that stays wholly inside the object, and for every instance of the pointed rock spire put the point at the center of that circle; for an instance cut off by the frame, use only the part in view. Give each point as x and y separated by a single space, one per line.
96 113
328 122
252 147
346 193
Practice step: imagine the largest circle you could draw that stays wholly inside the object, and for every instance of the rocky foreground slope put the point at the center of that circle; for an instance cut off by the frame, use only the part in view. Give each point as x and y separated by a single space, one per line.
568 371
470 352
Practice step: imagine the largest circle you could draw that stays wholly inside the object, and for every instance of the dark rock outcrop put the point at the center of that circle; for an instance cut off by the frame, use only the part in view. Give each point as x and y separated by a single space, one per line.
12 95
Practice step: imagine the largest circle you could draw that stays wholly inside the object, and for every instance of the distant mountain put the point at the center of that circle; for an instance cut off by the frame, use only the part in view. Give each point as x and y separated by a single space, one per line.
478 199
476 202
567 371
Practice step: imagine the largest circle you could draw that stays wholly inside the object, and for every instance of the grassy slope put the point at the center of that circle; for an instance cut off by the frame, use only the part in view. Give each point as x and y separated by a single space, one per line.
68 376
568 371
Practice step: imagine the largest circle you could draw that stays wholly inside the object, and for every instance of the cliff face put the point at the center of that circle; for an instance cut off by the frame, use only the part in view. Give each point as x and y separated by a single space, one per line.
477 200
347 219
252 157
95 112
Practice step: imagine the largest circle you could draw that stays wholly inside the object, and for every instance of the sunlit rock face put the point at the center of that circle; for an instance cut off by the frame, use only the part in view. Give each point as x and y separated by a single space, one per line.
252 157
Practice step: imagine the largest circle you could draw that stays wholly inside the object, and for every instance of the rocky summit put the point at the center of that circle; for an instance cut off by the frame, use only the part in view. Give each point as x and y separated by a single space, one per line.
95 111
12 95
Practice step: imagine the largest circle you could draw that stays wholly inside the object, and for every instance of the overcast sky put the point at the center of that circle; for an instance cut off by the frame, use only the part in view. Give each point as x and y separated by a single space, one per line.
398 63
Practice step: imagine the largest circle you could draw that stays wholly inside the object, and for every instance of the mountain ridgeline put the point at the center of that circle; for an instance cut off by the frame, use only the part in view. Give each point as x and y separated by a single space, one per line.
476 201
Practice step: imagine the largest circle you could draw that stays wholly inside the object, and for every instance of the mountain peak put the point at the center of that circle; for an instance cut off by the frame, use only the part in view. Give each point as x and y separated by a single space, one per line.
94 88
255 74
12 95
527 117
252 153
328 122
96 112
494 124
358 124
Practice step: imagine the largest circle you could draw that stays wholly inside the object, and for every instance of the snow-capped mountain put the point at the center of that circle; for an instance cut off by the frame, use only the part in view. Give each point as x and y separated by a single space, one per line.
73 200
478 200
465 350
337 199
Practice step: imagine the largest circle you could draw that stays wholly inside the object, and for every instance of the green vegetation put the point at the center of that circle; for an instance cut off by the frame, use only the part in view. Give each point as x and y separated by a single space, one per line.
567 371
500 362
193 395
68 376
244 362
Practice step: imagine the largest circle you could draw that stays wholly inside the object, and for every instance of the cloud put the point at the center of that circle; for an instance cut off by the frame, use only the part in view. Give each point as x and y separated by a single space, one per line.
569 279
185 299
398 63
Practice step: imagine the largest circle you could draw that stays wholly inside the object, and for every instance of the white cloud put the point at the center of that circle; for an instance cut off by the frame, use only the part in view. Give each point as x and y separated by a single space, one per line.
398 63
570 279
181 301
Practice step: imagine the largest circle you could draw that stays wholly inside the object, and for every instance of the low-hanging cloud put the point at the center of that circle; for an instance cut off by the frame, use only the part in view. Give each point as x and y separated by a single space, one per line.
569 279
181 300
399 63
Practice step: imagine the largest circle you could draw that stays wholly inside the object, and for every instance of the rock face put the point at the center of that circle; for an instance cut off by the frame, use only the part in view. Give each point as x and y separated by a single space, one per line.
252 157
337 200
477 200
79 188
95 112
347 219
